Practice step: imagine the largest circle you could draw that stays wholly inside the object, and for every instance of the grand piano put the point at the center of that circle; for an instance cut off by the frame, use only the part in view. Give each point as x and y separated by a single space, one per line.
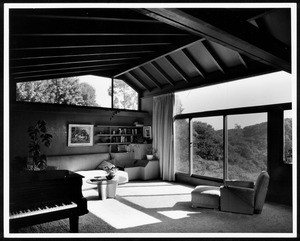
43 196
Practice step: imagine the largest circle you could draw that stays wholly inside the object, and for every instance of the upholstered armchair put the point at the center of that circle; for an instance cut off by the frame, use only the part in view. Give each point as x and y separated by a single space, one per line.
244 197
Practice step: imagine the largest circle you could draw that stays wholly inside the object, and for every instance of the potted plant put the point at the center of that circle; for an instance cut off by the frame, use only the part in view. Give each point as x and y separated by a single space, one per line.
38 135
111 172
150 153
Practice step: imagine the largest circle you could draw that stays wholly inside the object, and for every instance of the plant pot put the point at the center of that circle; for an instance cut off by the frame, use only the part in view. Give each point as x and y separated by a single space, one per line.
149 157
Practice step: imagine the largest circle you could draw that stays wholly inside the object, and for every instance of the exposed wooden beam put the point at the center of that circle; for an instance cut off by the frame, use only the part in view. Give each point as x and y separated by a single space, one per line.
80 59
214 56
55 75
97 34
131 84
232 74
89 18
183 75
239 36
81 55
83 51
91 46
243 61
199 68
134 75
61 41
150 76
160 69
158 57
99 67
73 62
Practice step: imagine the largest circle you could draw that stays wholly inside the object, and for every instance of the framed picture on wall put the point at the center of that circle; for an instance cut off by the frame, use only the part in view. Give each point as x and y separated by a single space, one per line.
147 132
80 135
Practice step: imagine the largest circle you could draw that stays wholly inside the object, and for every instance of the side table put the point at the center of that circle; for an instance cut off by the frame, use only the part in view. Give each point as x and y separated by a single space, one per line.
106 188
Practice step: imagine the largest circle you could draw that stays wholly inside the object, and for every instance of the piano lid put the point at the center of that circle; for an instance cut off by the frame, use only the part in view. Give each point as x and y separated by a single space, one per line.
37 176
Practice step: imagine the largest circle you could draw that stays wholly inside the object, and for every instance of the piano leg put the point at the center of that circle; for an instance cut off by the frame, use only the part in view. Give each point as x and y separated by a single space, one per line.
74 224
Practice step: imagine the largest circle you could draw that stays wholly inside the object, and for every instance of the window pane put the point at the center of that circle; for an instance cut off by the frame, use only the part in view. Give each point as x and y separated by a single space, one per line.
83 91
182 160
208 146
240 93
247 146
288 138
124 96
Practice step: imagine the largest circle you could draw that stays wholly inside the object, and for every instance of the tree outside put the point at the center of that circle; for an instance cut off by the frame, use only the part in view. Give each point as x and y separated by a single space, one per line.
124 96
247 148
57 91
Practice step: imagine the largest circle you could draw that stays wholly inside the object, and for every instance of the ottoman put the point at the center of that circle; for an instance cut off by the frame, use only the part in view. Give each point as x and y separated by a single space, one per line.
206 197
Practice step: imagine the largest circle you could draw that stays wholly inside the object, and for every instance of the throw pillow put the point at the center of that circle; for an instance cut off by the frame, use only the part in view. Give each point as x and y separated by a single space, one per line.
105 165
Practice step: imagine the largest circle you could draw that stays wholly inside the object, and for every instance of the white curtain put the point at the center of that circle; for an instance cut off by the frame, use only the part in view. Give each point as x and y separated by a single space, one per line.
162 122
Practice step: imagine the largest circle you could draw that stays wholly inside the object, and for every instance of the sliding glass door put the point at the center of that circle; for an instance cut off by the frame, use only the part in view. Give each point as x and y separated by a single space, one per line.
207 146
247 146
181 144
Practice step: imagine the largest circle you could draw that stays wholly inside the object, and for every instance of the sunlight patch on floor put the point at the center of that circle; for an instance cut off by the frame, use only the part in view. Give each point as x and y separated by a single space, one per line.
144 190
119 215
159 201
177 214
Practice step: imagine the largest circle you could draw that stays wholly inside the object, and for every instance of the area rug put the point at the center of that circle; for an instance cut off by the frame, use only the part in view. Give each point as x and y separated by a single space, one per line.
157 207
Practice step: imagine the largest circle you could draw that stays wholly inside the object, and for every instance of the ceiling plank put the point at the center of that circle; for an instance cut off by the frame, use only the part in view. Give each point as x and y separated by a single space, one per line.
214 56
150 76
134 75
199 68
160 69
184 76
240 36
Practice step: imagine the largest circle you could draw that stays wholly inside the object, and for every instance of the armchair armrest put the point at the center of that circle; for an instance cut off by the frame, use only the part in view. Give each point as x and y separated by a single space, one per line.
239 183
237 199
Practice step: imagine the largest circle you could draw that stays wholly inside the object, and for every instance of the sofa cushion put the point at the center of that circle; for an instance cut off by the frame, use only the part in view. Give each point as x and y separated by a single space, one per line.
77 162
105 165
206 196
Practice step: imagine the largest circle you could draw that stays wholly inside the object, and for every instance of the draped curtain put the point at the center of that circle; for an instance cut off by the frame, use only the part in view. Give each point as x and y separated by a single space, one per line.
162 124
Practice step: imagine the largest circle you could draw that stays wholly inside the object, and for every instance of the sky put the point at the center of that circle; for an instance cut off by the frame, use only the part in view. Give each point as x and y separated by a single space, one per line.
101 86
261 90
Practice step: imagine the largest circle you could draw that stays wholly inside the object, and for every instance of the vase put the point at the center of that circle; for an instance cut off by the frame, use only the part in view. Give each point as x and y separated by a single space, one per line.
149 157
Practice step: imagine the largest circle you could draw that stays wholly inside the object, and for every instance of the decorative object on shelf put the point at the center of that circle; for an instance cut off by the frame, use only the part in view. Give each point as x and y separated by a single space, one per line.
137 124
150 153
147 132
38 135
80 135
117 135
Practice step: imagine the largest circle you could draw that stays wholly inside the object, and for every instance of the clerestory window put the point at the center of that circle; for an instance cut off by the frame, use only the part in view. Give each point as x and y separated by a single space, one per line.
89 90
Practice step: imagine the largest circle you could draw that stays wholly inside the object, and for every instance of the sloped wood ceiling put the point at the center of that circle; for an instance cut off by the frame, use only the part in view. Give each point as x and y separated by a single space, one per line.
154 50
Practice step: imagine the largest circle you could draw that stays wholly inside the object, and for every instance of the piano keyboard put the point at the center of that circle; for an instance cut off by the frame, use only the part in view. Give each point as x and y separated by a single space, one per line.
41 210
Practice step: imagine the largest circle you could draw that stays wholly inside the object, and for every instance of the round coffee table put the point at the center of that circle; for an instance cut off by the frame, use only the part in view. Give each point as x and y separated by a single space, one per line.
106 188
95 180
